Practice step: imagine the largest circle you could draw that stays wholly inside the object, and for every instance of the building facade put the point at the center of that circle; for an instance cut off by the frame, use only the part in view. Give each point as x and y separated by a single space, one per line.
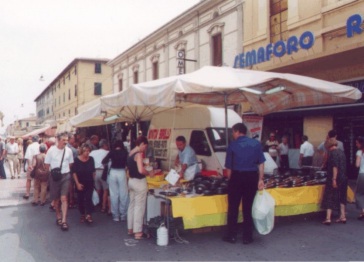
81 82
209 33
316 38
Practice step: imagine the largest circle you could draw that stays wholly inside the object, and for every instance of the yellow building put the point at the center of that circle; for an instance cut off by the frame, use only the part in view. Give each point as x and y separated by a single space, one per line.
81 82
317 38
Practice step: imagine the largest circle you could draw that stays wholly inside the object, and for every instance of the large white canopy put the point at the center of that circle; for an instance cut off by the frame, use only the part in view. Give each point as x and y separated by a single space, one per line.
266 92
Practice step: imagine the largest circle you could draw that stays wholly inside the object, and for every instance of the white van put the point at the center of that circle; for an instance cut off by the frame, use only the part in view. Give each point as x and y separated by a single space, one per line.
202 126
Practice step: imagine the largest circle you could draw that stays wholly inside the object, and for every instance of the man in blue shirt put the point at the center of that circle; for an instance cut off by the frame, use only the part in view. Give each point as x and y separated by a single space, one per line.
245 169
187 159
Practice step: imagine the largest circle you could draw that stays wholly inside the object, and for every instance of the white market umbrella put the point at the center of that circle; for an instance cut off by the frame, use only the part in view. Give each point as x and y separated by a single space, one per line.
266 92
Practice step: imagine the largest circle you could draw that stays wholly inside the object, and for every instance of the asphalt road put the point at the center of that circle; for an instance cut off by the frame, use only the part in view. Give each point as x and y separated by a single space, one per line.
30 233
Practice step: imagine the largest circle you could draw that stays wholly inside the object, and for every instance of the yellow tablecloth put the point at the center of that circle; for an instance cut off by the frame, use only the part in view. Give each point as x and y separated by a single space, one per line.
212 210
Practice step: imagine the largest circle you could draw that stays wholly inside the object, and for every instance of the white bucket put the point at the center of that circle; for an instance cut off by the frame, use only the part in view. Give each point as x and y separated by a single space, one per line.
162 235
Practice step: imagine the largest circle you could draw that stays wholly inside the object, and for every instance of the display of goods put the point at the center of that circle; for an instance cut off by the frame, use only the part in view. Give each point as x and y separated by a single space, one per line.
295 178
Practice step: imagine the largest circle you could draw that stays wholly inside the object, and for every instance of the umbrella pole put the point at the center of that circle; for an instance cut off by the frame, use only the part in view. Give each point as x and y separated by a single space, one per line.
226 121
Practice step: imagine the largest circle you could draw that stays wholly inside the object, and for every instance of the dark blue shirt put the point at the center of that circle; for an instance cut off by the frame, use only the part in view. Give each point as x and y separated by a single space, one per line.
244 154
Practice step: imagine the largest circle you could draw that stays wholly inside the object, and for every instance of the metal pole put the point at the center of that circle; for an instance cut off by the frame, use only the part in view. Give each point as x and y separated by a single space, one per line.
226 121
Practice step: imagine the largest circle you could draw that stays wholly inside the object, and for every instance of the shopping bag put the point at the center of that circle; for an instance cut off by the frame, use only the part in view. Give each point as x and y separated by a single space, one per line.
263 212
95 198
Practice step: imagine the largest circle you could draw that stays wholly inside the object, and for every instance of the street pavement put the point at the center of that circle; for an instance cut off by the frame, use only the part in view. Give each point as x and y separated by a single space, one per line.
30 233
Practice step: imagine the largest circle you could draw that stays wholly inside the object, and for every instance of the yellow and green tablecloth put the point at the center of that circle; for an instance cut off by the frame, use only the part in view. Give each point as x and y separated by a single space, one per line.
204 211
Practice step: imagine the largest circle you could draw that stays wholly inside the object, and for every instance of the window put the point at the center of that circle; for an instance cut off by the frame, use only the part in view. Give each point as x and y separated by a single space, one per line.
278 20
69 112
75 90
69 94
135 76
217 50
155 70
64 97
97 89
75 110
97 68
55 102
75 70
120 84
199 143
217 137
59 100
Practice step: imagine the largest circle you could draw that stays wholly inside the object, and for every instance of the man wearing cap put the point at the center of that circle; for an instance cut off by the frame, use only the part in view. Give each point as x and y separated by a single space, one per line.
11 152
2 157
32 150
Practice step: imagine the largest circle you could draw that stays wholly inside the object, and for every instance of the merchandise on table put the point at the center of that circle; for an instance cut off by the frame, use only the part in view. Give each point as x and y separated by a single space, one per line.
295 178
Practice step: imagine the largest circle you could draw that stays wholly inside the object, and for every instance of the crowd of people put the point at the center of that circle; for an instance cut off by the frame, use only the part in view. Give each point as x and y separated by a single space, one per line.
118 174
93 165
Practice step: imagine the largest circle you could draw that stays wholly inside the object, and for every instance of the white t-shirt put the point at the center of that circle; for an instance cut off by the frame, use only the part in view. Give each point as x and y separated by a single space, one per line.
361 168
307 149
54 158
98 156
283 149
12 148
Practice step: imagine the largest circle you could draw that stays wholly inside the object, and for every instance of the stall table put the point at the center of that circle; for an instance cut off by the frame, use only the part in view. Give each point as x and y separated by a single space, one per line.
206 211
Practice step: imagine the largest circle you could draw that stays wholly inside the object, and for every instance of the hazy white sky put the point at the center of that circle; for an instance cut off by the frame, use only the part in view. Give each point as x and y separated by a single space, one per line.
41 37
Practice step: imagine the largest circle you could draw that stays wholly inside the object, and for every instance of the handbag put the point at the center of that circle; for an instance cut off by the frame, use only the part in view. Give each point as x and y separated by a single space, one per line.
56 172
41 173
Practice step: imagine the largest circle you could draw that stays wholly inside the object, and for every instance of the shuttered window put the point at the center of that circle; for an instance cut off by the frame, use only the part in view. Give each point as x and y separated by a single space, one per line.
217 50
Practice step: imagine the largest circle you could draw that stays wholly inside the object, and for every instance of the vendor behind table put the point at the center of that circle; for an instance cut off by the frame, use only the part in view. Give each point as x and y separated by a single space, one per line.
185 159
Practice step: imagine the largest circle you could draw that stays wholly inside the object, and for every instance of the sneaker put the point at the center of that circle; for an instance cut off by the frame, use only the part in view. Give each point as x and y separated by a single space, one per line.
123 219
116 219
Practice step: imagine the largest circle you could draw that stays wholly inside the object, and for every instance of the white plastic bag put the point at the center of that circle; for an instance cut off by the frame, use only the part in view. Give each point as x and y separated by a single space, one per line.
95 198
263 212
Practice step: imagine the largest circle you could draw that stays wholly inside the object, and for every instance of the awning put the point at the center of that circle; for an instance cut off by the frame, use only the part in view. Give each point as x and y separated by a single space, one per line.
37 131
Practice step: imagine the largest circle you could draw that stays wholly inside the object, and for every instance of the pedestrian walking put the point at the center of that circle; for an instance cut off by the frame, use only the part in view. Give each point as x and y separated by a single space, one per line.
101 184
336 183
41 177
2 157
32 150
83 171
60 156
359 163
11 153
119 196
245 169
19 165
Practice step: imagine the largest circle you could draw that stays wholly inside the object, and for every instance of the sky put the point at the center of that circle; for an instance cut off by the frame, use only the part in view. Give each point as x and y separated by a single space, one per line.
41 37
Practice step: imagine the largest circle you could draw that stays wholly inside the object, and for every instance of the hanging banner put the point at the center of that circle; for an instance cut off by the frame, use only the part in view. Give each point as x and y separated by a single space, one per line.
254 125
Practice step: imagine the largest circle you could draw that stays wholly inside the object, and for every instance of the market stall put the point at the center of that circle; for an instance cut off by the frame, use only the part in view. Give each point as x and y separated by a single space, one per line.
199 211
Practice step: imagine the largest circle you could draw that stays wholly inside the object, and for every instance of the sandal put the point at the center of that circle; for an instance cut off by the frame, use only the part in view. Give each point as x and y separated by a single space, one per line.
341 220
59 221
82 219
326 222
142 236
361 216
64 226
88 219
